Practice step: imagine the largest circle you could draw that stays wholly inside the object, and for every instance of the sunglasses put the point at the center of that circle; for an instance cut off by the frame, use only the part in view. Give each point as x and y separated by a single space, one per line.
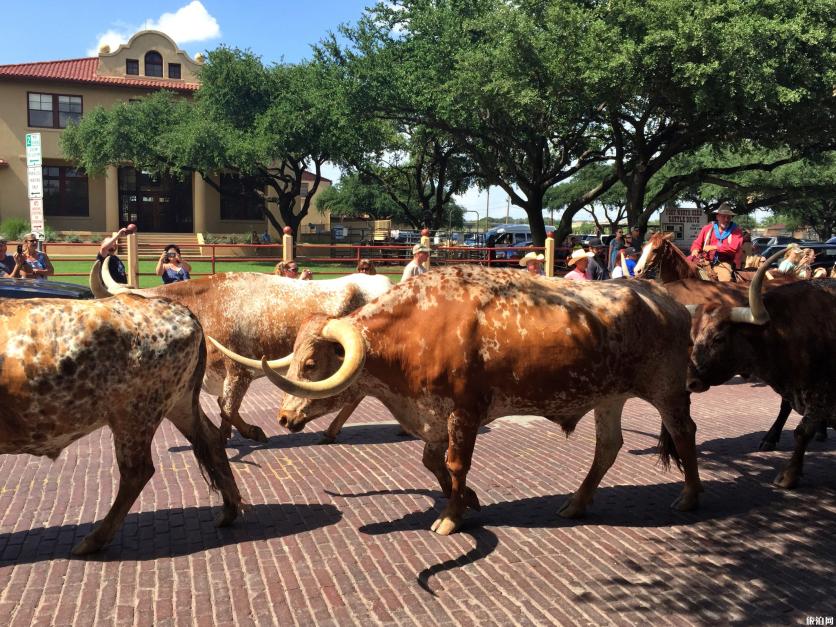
293 269
31 241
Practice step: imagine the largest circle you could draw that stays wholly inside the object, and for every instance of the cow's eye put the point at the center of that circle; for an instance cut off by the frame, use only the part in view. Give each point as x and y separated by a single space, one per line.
310 364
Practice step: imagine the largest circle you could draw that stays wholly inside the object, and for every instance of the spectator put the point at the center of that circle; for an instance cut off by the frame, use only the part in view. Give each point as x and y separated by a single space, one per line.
533 262
580 259
265 237
41 266
420 255
630 258
108 249
636 236
366 267
254 239
7 262
620 270
171 265
720 242
616 244
13 267
598 263
290 270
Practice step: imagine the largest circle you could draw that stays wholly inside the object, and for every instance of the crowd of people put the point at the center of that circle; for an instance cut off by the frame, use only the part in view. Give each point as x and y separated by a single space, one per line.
27 263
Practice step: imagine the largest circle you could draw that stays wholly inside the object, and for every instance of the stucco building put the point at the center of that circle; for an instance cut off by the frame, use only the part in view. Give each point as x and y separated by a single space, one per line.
44 97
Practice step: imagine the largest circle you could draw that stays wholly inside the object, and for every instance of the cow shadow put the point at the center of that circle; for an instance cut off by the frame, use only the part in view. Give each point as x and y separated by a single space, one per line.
168 533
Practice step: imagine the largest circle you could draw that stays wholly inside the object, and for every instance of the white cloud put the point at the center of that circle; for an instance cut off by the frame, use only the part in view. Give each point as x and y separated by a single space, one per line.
189 23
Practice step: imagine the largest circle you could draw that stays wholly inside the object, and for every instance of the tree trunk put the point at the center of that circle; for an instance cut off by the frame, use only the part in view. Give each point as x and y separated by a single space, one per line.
534 211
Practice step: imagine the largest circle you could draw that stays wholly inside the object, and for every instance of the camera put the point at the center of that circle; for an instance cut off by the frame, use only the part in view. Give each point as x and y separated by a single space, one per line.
20 249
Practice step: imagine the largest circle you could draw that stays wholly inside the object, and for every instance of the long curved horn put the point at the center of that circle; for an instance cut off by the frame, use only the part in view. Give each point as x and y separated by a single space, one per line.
95 281
255 364
756 312
111 285
344 333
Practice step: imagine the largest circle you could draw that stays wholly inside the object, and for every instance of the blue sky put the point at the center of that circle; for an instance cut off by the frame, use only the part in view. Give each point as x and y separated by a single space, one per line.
276 30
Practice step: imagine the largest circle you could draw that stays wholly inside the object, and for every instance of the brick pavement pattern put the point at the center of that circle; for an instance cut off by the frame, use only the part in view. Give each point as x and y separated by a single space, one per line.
339 535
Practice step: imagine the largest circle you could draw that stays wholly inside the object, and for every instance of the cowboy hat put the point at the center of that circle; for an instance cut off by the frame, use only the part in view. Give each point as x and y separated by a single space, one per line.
577 255
724 210
419 248
595 242
532 256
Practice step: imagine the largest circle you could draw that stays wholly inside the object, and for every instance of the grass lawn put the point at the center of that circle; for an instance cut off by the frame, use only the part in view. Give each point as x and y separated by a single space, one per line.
325 271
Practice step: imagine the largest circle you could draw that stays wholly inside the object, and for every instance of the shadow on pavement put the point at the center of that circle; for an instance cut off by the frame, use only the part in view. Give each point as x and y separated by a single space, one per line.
168 533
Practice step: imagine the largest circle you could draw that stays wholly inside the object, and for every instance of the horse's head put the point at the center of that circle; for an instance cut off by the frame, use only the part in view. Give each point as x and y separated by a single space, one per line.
656 248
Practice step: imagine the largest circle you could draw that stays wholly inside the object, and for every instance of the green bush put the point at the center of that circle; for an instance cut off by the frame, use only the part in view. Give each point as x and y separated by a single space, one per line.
14 228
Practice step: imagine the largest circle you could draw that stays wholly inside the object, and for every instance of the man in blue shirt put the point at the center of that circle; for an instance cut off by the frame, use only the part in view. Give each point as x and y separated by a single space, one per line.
7 262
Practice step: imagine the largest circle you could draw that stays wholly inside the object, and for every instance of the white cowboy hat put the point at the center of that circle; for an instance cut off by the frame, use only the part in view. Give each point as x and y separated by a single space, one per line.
577 255
532 256
419 248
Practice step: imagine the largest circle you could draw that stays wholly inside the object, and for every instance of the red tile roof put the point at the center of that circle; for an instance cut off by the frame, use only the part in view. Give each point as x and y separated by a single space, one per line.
310 176
84 71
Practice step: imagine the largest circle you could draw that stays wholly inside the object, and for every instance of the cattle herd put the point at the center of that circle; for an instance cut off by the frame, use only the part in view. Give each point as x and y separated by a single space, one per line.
446 352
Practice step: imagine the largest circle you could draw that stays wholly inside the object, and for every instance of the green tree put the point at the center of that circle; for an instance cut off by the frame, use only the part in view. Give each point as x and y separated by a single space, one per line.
268 123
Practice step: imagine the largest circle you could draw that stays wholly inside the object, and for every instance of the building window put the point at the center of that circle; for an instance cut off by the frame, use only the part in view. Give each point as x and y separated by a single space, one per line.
132 66
239 199
53 110
153 64
65 191
303 190
174 70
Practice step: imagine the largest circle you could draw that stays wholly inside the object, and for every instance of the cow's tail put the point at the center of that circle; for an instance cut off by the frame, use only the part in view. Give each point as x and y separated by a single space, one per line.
207 443
667 450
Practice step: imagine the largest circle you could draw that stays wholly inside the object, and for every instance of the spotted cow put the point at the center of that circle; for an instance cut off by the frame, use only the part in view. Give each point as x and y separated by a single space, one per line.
69 368
251 312
453 349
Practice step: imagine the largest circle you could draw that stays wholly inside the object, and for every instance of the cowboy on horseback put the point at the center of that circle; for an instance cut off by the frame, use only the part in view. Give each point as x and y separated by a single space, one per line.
719 243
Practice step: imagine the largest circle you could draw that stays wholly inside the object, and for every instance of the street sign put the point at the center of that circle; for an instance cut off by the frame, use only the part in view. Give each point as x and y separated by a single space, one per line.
684 222
36 216
33 150
36 182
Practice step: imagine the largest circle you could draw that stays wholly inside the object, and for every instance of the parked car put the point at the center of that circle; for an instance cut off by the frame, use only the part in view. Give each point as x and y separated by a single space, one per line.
825 253
35 288
782 240
508 236
832 240
759 244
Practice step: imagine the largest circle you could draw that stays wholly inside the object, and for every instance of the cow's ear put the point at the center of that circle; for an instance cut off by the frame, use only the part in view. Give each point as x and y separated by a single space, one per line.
669 236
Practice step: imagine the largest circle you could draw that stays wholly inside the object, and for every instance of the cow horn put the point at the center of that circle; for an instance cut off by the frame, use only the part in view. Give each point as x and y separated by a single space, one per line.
111 284
344 333
95 280
756 312
255 364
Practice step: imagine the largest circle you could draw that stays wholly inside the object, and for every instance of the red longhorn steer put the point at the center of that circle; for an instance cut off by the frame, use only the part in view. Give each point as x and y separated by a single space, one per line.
786 337
455 348
69 368
254 313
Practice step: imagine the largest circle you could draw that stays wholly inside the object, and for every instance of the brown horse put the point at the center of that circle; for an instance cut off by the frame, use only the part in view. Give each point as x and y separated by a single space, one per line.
661 254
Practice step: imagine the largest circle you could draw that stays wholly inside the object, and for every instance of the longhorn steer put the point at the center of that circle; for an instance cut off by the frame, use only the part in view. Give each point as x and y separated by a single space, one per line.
766 340
69 368
455 348
253 313
697 291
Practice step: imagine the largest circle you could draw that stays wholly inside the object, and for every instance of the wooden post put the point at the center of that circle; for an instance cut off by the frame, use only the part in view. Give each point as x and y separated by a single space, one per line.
133 260
550 254
287 244
425 241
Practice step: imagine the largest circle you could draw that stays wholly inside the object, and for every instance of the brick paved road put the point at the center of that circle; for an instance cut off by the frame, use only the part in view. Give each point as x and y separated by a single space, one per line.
339 534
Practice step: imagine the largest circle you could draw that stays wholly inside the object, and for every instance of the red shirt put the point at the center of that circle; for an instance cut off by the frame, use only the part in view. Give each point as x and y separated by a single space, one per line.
728 249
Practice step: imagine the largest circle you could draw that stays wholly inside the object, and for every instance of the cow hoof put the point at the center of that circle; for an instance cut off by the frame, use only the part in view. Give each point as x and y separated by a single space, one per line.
787 480
572 509
86 546
326 439
686 502
469 499
766 445
226 517
445 525
256 434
